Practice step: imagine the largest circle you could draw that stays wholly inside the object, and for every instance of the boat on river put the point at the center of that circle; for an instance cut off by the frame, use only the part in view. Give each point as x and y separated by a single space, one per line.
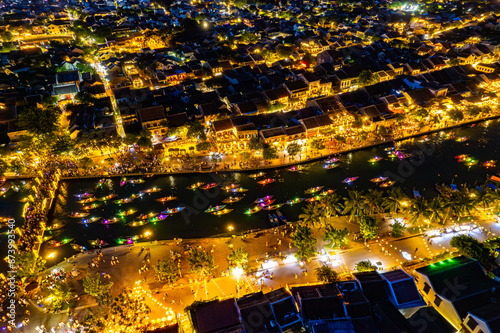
172 210
78 215
326 192
349 180
158 218
124 200
230 187
272 207
46 238
212 209
253 210
123 181
222 211
92 206
107 197
98 242
55 226
110 221
84 195
209 186
257 175
312 199
461 139
332 160
294 201
53 243
273 220
296 168
330 166
150 190
267 202
388 183
266 181
313 190
135 181
77 247
281 217
263 199
166 199
137 223
239 190
231 200
90 220
490 164
195 186
375 159
378 179
126 212
146 216
87 200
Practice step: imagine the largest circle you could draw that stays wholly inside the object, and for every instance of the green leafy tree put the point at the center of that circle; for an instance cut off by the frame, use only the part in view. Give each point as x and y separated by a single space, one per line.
336 237
200 262
93 286
255 144
367 78
203 146
397 229
365 266
36 121
166 270
293 149
249 37
86 163
195 129
270 153
471 247
305 242
102 32
325 274
60 296
393 201
318 144
238 258
284 51
63 144
368 226
311 213
29 265
3 167
455 115
354 204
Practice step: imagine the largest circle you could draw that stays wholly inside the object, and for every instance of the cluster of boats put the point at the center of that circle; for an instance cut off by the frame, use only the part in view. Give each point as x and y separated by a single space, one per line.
471 161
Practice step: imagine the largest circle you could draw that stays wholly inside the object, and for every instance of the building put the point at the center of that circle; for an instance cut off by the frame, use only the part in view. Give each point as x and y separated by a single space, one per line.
153 119
216 317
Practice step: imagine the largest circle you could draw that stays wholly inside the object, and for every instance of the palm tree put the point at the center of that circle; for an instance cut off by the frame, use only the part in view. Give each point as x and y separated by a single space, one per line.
419 208
374 200
394 200
311 213
483 199
436 207
354 204
330 205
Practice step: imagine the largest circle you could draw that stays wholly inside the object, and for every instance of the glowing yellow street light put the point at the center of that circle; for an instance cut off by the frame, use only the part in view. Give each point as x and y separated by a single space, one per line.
231 228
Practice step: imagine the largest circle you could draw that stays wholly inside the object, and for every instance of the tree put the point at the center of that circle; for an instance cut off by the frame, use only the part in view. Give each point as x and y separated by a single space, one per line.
318 144
293 149
200 262
354 204
393 201
368 226
93 286
102 32
255 144
63 144
86 162
238 258
144 140
59 295
374 199
203 146
397 229
471 247
305 242
284 51
166 270
3 167
366 78
455 115
29 265
195 129
270 152
419 208
249 37
37 121
365 266
325 274
336 237
122 314
310 213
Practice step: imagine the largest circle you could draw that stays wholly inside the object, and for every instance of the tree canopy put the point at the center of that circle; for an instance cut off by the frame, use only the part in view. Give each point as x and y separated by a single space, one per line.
305 242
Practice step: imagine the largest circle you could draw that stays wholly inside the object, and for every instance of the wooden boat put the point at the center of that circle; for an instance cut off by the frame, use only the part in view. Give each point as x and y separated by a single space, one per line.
77 247
55 226
124 201
231 200
378 179
209 186
388 183
98 242
100 182
296 168
158 218
222 212
266 181
349 180
90 220
490 164
326 192
312 199
195 186
53 243
84 195
3 180
92 206
78 214
212 209
87 200
292 202
126 212
461 139
273 220
272 207
416 193
239 190
263 199
462 157
107 197
257 175
150 190
267 202
253 210
166 199
172 210
123 181
146 216
470 162
135 181
281 217
230 187
313 190
332 160
330 166
46 238
110 221
137 223
375 159
442 190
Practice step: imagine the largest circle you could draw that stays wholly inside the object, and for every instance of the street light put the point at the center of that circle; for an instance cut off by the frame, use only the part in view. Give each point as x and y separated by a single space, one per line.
231 228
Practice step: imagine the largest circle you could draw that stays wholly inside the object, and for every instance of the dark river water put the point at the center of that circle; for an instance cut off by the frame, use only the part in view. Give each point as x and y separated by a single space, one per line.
433 160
